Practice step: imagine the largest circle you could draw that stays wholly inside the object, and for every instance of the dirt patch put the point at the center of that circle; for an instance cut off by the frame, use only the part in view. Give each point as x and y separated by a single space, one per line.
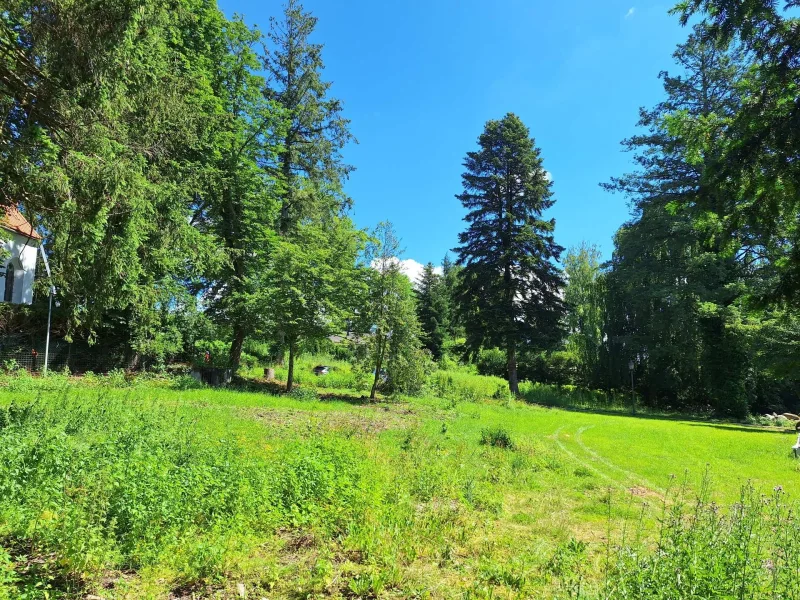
643 492
366 421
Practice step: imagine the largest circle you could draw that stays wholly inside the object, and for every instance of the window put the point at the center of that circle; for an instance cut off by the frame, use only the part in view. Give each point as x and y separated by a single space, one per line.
9 283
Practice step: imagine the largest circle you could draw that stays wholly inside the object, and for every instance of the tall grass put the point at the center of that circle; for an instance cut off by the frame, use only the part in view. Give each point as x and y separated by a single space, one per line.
570 396
90 483
341 375
464 386
703 550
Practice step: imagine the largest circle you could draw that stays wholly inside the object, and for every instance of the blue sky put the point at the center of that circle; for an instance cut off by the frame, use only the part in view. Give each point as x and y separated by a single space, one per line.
420 78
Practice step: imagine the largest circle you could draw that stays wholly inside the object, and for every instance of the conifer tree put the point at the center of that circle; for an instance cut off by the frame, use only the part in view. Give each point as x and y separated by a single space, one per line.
432 310
674 283
508 295
241 211
310 166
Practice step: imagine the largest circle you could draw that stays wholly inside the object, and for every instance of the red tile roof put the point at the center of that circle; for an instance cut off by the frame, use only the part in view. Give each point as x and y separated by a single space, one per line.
14 221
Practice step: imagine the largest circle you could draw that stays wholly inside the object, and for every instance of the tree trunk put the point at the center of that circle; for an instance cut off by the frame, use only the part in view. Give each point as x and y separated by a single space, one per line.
513 384
235 355
290 376
378 366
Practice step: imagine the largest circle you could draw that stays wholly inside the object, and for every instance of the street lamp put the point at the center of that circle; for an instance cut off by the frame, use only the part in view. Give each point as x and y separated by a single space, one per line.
49 310
633 393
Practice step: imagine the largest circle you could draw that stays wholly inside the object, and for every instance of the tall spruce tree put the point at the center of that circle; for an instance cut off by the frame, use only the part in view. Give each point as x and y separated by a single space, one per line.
752 154
242 207
432 310
508 295
310 166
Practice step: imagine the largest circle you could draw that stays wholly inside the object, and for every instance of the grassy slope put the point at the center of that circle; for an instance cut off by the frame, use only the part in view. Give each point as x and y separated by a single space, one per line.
442 514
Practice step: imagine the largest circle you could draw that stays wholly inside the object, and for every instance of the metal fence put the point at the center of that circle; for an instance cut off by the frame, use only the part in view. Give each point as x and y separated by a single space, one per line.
15 353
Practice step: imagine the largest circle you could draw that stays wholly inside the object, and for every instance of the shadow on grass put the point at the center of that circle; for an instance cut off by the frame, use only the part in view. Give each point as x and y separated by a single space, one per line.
746 428
690 419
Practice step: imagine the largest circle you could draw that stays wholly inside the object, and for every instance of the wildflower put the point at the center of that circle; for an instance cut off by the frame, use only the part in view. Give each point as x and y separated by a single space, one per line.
778 488
768 565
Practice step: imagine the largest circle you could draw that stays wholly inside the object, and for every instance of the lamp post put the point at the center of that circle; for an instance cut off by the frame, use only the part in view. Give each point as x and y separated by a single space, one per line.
633 393
49 310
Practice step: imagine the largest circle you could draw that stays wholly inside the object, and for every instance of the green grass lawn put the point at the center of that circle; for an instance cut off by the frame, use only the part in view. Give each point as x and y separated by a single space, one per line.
141 490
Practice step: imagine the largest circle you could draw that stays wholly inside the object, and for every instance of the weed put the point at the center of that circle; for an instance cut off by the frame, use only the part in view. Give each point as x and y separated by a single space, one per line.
497 437
305 394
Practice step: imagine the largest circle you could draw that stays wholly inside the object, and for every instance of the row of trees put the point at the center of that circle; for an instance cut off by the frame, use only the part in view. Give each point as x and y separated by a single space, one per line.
186 172
700 296
701 291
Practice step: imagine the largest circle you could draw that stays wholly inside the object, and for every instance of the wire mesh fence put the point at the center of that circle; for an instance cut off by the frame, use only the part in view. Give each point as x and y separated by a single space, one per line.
20 353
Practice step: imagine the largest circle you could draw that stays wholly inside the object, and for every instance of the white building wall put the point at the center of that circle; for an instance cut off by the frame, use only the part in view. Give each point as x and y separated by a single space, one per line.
22 253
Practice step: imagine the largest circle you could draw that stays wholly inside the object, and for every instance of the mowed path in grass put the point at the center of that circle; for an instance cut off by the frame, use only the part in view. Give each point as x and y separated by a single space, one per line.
622 451
645 452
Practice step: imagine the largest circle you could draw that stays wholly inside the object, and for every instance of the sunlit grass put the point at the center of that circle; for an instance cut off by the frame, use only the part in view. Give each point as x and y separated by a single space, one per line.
460 494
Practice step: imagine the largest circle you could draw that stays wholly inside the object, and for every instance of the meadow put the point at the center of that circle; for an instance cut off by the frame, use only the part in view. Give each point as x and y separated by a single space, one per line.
117 487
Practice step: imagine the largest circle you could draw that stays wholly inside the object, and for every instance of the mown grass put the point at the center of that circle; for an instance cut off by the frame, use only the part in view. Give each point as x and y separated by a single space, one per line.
130 488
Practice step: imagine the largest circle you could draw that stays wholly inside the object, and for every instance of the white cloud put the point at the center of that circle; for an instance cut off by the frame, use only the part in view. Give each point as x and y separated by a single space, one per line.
630 12
413 269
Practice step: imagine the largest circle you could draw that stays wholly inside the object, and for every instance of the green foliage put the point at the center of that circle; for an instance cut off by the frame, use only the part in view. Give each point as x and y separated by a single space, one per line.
219 354
464 386
584 295
491 361
749 152
433 310
304 393
676 284
110 163
187 489
310 170
314 283
240 211
388 320
147 487
497 437
747 551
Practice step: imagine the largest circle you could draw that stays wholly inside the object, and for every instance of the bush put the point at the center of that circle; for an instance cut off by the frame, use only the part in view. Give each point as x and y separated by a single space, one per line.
304 393
463 386
560 367
408 371
492 361
497 437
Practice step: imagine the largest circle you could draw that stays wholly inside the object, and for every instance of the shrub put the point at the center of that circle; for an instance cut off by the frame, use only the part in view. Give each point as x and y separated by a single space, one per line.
492 361
497 437
463 386
304 393
408 371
